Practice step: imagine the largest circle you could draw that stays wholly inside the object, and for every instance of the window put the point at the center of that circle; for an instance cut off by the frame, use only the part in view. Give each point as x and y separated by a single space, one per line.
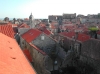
55 62
42 37
77 48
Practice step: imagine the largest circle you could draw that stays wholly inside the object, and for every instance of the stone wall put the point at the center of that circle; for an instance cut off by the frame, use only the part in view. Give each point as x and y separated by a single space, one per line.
37 58
43 63
98 36
68 16
52 18
91 48
47 44
22 43
94 64
90 53
22 30
73 20
67 42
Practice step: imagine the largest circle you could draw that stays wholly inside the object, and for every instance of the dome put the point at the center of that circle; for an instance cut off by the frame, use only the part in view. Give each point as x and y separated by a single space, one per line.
31 16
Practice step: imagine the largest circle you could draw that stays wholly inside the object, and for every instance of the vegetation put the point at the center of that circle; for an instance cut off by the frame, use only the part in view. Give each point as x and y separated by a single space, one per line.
93 28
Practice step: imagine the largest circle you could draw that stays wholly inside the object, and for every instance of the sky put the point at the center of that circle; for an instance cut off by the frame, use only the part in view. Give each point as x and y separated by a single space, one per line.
43 8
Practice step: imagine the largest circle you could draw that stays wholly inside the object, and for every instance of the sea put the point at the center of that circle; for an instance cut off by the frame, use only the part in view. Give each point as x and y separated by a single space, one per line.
10 18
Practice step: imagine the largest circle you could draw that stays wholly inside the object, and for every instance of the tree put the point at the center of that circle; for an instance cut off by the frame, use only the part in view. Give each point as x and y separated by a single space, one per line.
14 19
6 19
98 15
93 30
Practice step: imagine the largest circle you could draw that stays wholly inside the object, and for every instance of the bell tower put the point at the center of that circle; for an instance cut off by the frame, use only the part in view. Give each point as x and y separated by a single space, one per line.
31 21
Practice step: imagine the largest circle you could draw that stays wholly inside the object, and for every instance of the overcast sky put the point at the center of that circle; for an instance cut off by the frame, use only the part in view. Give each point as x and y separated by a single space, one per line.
43 8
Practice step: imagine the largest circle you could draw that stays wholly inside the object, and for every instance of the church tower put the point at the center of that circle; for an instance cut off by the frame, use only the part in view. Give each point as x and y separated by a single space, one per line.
31 21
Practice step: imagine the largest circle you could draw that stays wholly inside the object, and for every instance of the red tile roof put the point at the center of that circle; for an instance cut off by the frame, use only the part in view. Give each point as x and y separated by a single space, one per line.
31 35
43 29
27 53
70 34
23 25
26 19
42 24
63 33
53 26
46 31
81 37
12 59
7 30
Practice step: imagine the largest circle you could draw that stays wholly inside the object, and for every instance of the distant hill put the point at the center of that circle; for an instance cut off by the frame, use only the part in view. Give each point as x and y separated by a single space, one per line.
10 18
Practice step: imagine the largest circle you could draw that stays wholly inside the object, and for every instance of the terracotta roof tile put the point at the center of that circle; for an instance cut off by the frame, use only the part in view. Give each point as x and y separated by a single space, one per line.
27 53
81 37
43 29
42 24
63 33
7 30
53 26
31 35
12 59
46 31
23 25
69 34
